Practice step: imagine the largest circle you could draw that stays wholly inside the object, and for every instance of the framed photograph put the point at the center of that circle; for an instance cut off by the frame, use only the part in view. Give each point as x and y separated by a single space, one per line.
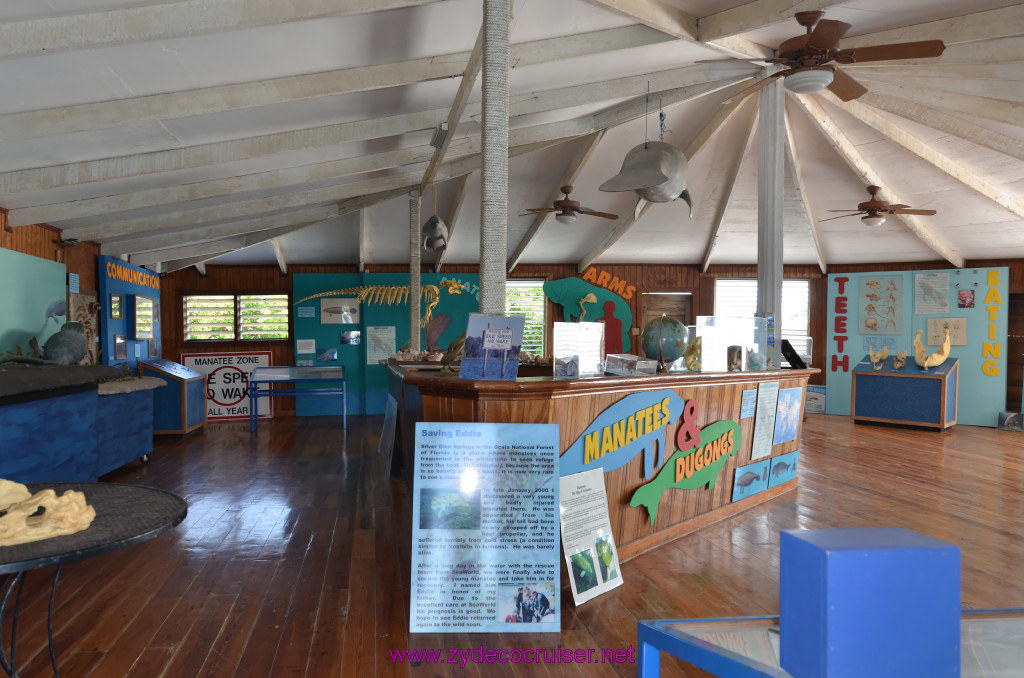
145 317
120 347
339 311
154 348
116 310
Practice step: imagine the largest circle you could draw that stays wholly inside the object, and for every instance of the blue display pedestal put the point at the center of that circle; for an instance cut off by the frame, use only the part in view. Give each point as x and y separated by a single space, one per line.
909 395
181 407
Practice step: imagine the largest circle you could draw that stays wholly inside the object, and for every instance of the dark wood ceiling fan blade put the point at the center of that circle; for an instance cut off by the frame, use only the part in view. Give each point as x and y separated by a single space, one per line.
535 210
900 50
853 214
853 211
593 213
898 207
757 86
826 34
924 213
845 87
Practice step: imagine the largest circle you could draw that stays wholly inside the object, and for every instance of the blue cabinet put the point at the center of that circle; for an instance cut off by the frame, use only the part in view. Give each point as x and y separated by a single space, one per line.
909 395
180 407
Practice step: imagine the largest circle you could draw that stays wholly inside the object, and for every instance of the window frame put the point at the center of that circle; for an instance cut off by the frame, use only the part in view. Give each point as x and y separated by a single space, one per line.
783 331
236 329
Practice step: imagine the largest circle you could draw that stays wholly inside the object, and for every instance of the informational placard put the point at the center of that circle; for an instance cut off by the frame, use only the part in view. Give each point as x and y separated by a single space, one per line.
591 556
305 346
578 349
307 311
881 304
937 331
380 343
749 400
227 382
764 419
931 293
485 529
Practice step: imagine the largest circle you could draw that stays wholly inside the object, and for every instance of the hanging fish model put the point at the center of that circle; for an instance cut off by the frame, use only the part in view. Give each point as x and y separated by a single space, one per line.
655 171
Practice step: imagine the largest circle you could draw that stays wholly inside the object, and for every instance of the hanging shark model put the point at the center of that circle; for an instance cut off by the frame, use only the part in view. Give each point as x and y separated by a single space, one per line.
655 171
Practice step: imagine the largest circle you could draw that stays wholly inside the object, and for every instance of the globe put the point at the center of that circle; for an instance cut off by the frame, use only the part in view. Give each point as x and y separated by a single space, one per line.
664 339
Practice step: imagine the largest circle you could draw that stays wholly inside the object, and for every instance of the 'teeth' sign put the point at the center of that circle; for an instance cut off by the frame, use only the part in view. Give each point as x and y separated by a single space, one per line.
839 358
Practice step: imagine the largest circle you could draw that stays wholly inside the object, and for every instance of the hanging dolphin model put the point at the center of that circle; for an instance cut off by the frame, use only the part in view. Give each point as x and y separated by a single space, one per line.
435 234
655 171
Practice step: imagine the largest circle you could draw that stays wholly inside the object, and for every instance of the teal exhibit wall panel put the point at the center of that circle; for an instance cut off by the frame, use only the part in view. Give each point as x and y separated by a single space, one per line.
34 301
118 277
976 298
367 384
307 324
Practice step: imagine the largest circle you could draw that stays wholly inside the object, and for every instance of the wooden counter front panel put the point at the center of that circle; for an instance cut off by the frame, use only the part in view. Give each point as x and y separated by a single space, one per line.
680 510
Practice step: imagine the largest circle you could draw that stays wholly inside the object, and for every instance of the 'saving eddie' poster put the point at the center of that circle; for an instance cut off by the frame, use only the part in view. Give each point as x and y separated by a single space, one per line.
485 529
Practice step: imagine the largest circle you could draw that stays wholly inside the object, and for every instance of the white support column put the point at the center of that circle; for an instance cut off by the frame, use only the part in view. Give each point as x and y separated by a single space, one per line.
414 270
494 200
770 189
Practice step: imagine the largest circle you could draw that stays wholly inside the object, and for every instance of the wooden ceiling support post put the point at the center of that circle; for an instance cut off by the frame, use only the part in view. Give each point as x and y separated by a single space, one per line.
414 270
771 179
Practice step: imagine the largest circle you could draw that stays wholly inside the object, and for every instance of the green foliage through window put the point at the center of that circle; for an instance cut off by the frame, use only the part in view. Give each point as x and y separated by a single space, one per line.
230 317
526 297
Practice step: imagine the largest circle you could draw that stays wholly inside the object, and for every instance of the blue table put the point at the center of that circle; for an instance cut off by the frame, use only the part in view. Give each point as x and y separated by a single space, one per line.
990 645
318 381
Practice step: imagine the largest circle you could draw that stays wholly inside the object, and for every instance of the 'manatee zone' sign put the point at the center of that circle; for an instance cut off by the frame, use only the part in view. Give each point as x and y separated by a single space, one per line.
227 382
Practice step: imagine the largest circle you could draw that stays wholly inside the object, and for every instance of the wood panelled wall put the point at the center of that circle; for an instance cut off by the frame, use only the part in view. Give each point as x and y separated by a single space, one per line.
43 241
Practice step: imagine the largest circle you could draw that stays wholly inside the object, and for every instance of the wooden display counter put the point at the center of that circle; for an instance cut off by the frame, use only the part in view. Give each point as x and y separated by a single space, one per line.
631 426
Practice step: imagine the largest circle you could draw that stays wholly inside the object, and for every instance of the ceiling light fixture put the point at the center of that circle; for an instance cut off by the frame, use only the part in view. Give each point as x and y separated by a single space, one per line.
814 79
565 218
873 220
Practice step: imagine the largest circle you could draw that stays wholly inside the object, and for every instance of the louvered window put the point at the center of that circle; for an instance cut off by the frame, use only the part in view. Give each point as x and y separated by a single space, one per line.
738 297
526 297
231 317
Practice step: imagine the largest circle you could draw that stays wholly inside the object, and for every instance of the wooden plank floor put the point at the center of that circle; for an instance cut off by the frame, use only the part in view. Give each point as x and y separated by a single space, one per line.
293 560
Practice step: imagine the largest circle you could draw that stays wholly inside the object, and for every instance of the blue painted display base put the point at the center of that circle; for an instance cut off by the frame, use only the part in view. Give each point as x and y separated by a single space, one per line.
910 395
124 429
850 596
50 439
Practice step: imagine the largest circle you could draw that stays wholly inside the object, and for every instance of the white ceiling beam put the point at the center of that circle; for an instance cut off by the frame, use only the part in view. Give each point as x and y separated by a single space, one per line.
172 266
1008 71
805 194
469 78
576 164
926 152
729 182
279 255
206 233
846 150
658 15
989 109
1005 90
20 181
754 15
453 218
106 205
213 247
996 23
201 267
106 114
402 182
950 124
66 32
639 106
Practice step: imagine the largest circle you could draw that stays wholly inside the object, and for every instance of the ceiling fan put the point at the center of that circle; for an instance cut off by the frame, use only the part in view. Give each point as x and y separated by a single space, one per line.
568 209
808 57
874 210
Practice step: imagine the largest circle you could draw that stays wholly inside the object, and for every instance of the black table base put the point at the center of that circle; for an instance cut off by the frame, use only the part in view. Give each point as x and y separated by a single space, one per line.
17 581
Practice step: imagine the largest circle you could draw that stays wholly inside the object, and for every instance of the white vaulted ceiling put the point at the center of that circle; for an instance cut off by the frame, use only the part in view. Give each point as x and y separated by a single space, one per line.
266 132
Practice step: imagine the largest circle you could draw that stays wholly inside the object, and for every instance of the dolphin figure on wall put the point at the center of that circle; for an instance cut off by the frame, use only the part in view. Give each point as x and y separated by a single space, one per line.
655 171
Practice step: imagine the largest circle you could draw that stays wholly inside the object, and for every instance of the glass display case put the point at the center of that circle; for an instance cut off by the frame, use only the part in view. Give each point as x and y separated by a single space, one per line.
732 344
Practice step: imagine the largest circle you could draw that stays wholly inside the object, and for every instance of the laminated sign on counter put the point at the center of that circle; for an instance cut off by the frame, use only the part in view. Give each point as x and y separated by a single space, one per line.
485 529
590 553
